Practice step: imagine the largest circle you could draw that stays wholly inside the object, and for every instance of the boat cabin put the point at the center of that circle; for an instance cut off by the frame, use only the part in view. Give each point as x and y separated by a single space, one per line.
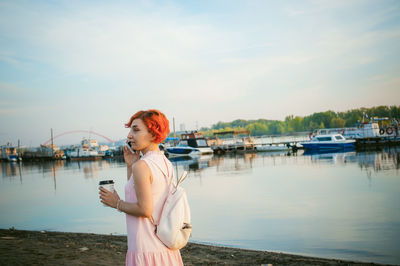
193 139
8 152
335 137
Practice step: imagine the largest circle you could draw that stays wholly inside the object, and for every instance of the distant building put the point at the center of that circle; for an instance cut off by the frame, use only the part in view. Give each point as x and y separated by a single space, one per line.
182 127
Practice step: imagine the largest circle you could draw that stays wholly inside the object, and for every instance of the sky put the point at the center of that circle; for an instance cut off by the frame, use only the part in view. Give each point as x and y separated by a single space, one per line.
90 65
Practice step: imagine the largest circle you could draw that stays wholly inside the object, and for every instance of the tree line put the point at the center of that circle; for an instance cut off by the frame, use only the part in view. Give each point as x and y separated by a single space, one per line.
328 119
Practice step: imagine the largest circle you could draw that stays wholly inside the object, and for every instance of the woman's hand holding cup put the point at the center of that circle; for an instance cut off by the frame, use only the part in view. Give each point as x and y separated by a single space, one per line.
109 198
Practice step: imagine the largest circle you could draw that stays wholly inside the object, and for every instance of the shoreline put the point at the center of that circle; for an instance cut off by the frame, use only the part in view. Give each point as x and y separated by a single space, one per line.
17 247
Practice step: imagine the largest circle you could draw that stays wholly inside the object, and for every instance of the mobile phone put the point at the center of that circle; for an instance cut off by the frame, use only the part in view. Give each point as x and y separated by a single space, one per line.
129 146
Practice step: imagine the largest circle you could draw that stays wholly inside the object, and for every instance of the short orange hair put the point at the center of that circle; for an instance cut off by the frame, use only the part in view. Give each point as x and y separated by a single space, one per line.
155 121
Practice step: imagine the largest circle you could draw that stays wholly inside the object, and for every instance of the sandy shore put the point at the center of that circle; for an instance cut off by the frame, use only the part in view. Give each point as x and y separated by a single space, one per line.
19 247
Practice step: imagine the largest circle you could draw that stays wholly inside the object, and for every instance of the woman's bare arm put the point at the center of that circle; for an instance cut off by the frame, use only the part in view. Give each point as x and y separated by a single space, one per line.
142 179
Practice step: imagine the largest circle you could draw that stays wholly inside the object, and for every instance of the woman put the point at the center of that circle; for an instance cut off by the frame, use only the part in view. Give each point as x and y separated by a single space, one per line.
145 191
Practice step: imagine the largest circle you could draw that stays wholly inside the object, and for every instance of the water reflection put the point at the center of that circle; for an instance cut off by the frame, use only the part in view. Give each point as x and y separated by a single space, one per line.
368 161
90 169
337 157
386 160
10 169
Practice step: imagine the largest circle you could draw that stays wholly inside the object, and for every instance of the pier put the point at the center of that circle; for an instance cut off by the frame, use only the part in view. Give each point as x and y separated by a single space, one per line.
248 144
363 143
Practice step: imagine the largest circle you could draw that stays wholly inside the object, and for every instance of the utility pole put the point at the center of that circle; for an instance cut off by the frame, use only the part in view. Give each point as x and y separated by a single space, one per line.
173 119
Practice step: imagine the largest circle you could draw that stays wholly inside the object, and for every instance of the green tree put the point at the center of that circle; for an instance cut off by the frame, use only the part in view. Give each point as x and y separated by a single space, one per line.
328 119
296 124
276 127
257 129
337 122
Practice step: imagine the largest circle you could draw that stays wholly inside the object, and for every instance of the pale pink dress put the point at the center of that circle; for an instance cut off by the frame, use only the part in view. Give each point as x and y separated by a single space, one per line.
144 248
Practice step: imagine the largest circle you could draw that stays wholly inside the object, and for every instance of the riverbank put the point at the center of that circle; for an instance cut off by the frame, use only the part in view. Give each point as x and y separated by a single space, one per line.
18 247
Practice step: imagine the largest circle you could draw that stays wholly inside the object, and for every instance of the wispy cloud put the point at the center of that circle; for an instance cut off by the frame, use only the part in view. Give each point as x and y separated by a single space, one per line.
10 88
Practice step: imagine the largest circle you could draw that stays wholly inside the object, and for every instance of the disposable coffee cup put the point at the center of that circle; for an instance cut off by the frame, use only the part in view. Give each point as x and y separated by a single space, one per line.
107 184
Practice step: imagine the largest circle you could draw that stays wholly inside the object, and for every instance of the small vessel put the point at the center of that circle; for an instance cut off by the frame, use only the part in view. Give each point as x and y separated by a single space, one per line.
88 150
190 144
329 141
13 158
9 153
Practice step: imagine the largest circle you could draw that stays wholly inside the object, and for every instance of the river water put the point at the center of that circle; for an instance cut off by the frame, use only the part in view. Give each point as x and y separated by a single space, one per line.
334 205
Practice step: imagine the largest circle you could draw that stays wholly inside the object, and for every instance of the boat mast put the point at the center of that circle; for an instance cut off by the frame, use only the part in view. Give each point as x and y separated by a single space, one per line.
52 149
18 150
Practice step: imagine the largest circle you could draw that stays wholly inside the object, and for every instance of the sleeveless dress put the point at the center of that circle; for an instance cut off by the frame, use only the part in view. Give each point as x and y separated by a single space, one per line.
144 248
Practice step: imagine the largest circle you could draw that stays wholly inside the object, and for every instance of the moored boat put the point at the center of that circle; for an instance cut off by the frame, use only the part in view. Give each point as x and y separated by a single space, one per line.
329 142
88 150
190 144
364 129
9 153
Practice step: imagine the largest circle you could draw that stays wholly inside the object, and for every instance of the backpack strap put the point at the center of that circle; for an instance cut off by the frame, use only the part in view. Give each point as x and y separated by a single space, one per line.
169 181
184 175
167 176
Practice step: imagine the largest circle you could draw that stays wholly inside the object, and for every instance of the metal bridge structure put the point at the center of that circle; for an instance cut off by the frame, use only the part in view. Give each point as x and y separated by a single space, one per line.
79 131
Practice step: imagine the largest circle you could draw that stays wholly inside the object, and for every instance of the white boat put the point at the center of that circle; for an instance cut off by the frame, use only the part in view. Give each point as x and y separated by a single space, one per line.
362 130
190 144
87 150
329 142
182 150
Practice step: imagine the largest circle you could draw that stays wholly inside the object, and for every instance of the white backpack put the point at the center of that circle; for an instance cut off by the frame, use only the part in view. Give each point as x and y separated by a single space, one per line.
174 227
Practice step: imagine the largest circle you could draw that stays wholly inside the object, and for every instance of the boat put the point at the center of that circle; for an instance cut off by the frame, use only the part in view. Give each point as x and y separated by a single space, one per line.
190 144
366 129
88 150
329 142
9 153
13 158
373 131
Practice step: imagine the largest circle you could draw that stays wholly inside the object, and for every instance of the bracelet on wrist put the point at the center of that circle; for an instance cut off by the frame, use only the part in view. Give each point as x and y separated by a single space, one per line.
118 205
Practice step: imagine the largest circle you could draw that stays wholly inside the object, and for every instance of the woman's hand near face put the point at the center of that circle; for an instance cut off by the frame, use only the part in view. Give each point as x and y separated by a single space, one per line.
129 157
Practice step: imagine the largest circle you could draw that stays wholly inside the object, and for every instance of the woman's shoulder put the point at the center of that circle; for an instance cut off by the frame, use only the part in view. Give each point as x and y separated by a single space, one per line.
157 160
140 167
156 157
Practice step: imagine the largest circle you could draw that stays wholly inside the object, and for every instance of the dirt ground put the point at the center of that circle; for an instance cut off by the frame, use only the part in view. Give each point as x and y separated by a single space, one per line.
18 247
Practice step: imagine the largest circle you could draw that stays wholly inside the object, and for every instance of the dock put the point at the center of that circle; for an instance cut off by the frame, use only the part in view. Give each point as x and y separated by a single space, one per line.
249 144
363 143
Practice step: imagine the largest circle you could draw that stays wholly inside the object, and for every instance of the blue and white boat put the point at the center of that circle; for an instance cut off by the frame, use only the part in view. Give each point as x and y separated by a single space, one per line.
329 142
182 150
9 153
191 144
